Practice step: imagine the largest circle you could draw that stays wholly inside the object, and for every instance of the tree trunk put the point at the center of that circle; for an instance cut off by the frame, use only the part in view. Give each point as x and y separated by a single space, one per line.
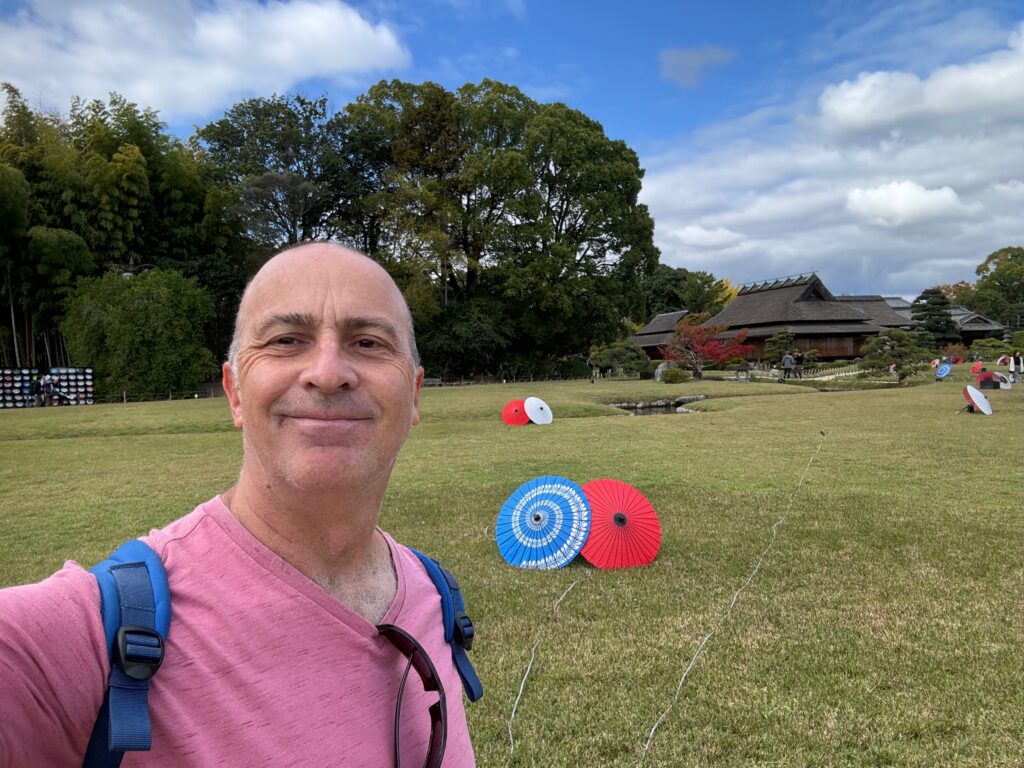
14 324
46 343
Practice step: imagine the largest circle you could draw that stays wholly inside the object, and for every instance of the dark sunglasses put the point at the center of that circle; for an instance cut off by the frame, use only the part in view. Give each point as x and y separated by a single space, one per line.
418 658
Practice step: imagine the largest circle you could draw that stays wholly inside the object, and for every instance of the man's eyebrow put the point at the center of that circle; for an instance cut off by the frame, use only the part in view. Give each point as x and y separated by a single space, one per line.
372 323
287 319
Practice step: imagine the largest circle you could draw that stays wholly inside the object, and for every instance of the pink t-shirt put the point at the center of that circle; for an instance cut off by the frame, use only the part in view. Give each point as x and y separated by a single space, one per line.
262 668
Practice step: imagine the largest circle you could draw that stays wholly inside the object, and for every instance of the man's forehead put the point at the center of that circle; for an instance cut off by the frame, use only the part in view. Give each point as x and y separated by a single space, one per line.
312 279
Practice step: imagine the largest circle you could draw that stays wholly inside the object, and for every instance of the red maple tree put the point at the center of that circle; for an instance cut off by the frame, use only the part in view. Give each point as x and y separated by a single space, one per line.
694 346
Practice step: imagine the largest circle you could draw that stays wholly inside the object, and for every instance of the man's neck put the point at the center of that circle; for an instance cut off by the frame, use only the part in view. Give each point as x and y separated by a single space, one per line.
331 538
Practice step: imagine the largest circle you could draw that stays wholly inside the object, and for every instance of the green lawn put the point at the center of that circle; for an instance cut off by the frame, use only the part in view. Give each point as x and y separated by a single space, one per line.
885 626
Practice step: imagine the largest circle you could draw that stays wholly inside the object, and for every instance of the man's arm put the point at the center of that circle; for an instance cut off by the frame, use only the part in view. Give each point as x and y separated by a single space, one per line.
53 669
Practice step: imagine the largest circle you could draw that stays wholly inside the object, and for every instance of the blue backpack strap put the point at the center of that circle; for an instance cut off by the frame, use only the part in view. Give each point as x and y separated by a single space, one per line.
135 603
458 629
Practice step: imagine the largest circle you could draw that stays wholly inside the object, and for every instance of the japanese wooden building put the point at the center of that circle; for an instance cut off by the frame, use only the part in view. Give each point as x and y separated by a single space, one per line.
836 327
657 333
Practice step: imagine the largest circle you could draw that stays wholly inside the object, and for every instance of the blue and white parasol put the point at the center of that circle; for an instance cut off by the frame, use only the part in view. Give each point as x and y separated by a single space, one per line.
544 523
943 371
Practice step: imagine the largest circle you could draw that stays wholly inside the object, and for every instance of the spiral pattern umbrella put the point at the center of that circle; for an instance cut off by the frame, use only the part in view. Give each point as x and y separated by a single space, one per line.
543 524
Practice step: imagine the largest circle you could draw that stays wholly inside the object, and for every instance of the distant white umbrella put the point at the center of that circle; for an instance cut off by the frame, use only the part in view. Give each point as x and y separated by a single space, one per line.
538 410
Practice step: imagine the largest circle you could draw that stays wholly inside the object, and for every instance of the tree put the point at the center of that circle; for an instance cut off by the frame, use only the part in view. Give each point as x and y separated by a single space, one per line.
484 193
694 345
14 194
989 349
1000 286
282 156
962 293
142 333
669 289
931 310
619 356
893 347
59 258
777 345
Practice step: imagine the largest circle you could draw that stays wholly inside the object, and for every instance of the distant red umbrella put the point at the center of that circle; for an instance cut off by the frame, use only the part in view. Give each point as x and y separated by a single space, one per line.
983 376
514 414
624 528
976 367
977 401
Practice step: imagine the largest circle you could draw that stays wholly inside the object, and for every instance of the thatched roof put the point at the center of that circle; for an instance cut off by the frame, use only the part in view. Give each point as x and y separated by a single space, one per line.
878 311
658 332
800 300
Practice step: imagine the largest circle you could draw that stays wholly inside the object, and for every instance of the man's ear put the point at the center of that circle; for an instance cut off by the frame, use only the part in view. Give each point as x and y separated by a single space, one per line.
233 393
416 396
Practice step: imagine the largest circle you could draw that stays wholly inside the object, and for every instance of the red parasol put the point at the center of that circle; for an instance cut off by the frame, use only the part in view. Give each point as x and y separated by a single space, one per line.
976 367
624 528
983 376
976 401
514 414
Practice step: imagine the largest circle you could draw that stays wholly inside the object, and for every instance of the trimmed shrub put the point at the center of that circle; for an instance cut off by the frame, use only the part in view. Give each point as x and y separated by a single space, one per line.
675 376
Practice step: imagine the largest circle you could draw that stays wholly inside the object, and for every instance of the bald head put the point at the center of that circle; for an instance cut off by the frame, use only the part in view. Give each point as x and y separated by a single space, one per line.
327 262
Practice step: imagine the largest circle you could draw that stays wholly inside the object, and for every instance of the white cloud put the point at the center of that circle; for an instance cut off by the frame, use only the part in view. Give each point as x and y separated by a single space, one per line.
686 66
1013 189
694 235
890 182
188 58
900 203
989 89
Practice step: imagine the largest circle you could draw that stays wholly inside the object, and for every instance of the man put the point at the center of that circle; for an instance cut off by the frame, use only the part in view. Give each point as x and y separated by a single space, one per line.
279 584
798 364
787 365
1016 367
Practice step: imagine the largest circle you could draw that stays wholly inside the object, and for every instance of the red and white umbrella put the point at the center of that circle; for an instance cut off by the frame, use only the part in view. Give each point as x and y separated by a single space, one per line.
624 528
514 414
976 399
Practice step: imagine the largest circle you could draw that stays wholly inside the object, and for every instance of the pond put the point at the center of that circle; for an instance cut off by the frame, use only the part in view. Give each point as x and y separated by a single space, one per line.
657 407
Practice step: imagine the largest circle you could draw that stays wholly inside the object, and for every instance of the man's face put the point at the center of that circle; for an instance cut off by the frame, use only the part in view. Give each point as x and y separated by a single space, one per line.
326 387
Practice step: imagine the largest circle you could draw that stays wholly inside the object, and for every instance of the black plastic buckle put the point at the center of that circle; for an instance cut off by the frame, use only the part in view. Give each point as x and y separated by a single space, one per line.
134 665
464 630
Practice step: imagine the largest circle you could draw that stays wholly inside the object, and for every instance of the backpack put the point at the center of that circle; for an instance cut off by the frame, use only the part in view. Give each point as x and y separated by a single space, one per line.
135 604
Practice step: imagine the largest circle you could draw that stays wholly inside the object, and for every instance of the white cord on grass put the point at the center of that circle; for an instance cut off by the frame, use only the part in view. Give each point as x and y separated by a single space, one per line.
732 603
522 685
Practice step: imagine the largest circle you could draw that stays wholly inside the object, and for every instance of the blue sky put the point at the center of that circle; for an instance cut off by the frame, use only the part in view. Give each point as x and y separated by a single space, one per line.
880 144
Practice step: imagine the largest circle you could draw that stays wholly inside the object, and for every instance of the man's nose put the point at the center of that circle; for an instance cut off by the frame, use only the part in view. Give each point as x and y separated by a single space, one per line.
329 368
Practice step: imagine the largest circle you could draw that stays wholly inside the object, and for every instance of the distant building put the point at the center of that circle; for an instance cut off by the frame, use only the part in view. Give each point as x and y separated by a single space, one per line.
899 305
658 333
970 325
836 327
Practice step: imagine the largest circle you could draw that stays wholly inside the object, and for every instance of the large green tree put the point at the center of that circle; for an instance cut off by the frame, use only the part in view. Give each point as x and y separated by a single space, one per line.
14 197
488 205
282 157
999 291
109 176
143 334
669 289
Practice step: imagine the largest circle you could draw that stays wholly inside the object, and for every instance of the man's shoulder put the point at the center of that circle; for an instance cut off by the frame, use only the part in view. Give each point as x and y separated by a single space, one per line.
183 529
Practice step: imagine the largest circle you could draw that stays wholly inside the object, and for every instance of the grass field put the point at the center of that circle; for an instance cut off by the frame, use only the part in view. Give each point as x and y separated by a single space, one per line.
885 625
